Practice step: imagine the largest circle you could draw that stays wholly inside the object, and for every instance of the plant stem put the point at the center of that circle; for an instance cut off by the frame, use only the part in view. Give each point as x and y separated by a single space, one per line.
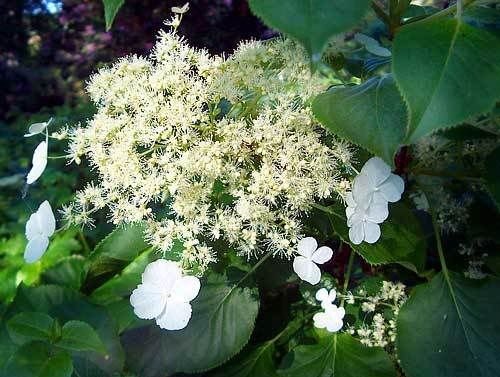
84 242
347 275
459 9
439 245
446 12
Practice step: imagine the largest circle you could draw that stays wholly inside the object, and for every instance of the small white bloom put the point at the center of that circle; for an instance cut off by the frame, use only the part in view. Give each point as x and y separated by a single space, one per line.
304 264
37 128
331 319
326 298
364 223
39 162
40 226
165 295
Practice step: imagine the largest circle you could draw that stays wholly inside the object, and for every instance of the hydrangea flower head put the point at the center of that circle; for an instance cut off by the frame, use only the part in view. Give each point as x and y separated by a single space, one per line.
305 264
165 295
40 226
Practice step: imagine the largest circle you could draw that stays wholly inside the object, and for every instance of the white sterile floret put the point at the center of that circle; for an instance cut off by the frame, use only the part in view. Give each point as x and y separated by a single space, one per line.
331 319
304 264
37 128
165 294
40 226
326 298
39 162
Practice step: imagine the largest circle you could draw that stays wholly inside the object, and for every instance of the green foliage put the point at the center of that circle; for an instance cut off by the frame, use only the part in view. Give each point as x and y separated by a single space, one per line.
80 336
27 326
446 328
111 8
447 72
312 22
337 355
372 115
69 272
492 175
221 324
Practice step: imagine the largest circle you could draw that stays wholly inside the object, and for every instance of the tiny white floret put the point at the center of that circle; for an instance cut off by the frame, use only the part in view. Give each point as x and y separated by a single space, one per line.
305 264
165 295
40 226
326 298
331 319
39 162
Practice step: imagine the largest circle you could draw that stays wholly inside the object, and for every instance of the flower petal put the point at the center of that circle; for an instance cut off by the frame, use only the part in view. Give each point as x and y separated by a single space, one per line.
306 270
36 128
176 315
162 273
392 188
39 163
377 170
349 199
357 233
377 213
186 288
372 232
148 301
307 246
46 219
322 255
35 248
320 320
33 227
322 294
334 325
362 190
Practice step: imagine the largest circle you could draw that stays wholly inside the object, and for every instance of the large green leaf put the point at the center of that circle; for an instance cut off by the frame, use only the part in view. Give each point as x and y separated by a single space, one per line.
492 175
312 22
111 8
69 272
450 328
371 115
337 355
402 240
36 359
27 326
80 336
256 363
447 71
223 319
113 253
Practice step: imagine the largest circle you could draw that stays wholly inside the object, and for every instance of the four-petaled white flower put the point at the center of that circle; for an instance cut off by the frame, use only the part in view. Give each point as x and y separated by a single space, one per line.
367 205
331 319
39 162
304 264
326 298
40 226
165 295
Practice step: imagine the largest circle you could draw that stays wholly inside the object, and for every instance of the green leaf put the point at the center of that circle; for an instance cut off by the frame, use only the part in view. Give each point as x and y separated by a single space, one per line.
337 355
27 326
402 240
111 8
113 253
69 272
256 363
223 319
450 328
371 115
312 22
80 336
447 71
492 175
36 359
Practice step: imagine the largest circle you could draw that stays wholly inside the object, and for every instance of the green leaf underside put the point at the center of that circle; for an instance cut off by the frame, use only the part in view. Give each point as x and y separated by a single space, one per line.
371 115
30 326
402 240
450 328
338 355
311 22
80 336
111 8
221 324
447 71
35 359
492 175
256 363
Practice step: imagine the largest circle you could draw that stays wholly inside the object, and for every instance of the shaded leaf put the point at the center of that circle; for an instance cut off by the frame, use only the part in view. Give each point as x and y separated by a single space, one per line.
492 176
69 272
111 8
27 326
80 336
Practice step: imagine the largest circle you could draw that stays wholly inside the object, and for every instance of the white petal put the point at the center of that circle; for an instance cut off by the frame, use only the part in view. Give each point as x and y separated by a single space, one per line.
322 294
349 211
148 301
36 128
362 190
377 213
33 227
35 248
162 273
334 325
392 188
39 163
320 320
372 232
378 50
322 255
307 246
356 233
186 288
306 270
349 199
358 215
175 316
46 219
377 170
332 295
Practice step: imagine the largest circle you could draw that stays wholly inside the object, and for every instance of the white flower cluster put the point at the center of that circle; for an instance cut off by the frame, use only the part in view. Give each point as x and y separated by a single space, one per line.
305 264
367 205
332 317
205 149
